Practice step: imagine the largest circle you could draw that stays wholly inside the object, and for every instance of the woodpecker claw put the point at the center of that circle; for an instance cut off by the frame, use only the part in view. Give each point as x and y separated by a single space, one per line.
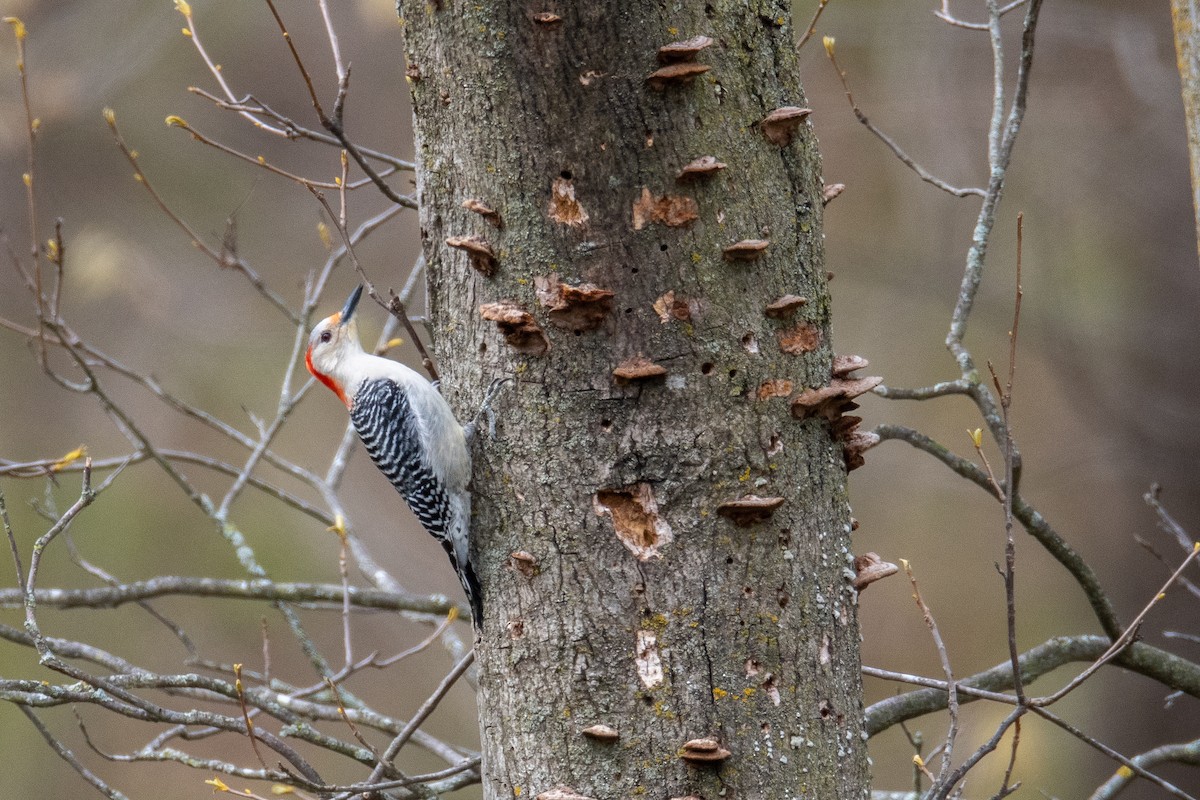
486 411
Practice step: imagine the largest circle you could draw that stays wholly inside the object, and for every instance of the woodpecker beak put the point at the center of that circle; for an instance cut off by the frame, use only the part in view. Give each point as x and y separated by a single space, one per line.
351 304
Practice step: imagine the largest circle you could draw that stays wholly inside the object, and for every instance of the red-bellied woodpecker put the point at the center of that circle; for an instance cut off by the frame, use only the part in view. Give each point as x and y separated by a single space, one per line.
409 432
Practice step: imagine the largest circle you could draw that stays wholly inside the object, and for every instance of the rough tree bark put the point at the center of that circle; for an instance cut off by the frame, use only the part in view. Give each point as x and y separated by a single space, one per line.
619 591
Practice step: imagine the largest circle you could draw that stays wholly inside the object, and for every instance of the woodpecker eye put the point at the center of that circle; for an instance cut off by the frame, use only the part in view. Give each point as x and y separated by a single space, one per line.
326 336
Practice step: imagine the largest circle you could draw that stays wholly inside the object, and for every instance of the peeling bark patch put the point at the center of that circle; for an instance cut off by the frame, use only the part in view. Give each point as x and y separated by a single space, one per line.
749 510
480 253
770 686
679 74
823 656
780 125
776 387
637 368
564 208
518 326
649 665
801 338
524 563
516 628
674 211
634 513
576 308
668 307
547 18
785 306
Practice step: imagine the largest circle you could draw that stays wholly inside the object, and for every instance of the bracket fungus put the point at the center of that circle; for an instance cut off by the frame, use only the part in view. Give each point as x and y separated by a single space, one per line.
703 751
678 74
484 210
686 50
601 733
781 124
745 250
785 306
576 308
518 326
844 365
868 568
831 190
830 401
701 167
833 401
749 510
855 443
480 253
636 369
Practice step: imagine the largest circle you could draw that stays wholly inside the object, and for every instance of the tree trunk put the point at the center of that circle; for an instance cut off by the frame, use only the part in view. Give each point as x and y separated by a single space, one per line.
619 590
1187 52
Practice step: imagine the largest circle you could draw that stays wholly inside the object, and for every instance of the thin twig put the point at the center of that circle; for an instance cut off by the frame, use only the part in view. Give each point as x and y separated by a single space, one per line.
1111 753
422 714
220 258
951 686
1123 641
66 755
1033 522
812 26
293 130
395 306
907 160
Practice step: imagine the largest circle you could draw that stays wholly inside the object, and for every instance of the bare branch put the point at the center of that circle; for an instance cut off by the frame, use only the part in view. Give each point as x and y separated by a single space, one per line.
1166 668
1185 753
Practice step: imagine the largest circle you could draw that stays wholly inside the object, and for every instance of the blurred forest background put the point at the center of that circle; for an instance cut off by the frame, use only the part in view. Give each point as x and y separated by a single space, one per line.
1106 390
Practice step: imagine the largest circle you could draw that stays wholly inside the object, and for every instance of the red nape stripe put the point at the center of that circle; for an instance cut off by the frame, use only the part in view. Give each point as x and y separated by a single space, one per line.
325 379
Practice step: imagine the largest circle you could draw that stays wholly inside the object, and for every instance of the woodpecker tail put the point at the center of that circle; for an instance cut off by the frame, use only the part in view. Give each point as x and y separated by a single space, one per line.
470 584
458 547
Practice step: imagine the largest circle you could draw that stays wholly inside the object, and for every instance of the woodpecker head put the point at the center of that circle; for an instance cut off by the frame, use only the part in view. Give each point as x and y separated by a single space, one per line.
332 344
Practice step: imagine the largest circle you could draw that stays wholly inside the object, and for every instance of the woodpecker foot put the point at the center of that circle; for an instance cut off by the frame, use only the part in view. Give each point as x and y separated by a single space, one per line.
486 411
